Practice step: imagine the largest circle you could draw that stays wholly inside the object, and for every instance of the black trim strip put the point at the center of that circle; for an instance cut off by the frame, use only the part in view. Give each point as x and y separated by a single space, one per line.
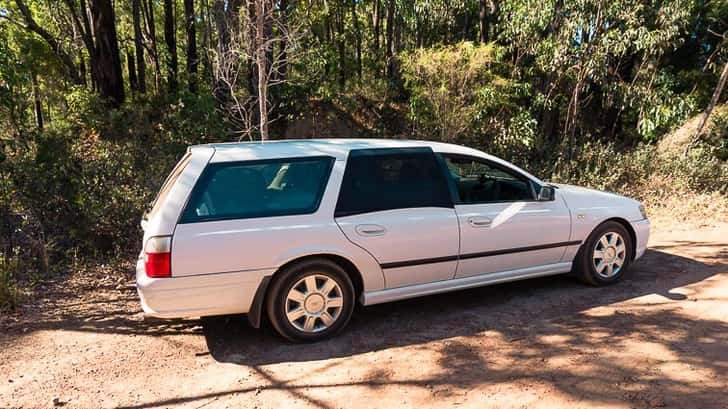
409 263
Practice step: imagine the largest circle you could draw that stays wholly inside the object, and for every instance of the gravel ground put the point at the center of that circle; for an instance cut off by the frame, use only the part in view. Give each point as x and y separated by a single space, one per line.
657 339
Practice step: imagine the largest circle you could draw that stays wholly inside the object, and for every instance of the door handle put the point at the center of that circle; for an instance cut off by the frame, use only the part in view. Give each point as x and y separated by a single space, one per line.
479 221
370 230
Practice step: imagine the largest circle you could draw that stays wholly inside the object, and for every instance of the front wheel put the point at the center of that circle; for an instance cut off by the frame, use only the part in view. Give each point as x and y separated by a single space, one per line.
310 301
605 255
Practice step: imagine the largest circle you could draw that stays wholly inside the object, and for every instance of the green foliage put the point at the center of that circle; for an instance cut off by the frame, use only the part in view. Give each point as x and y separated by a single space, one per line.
457 92
86 181
658 108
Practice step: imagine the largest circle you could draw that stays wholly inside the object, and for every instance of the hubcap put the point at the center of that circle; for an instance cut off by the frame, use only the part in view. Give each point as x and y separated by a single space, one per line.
609 254
314 303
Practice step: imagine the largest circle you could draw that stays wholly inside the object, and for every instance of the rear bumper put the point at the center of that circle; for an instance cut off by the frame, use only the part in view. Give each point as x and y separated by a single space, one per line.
642 233
199 295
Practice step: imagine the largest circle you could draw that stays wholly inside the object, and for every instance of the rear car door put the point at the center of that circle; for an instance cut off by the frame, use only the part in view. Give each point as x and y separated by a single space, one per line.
502 225
395 204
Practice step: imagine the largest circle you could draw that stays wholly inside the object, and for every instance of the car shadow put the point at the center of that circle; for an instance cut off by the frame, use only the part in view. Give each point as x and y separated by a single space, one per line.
514 310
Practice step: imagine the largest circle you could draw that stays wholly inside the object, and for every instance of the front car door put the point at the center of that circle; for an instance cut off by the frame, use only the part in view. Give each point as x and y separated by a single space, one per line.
395 204
502 225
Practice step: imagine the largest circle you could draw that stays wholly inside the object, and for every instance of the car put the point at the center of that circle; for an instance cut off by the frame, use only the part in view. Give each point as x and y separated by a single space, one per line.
301 231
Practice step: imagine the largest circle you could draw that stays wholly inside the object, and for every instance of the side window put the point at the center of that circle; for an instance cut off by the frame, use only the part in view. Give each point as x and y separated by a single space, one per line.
169 182
240 190
479 181
385 179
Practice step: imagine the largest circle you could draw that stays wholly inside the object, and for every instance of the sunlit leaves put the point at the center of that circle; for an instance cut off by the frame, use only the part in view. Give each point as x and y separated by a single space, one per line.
457 92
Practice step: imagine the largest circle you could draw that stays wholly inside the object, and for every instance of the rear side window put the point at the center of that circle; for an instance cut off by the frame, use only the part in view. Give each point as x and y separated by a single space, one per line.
169 182
239 190
386 179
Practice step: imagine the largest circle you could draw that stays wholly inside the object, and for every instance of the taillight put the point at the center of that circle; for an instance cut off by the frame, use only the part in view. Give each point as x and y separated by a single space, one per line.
157 257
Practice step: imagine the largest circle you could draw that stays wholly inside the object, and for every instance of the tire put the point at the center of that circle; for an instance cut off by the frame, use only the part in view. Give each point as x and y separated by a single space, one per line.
310 301
615 244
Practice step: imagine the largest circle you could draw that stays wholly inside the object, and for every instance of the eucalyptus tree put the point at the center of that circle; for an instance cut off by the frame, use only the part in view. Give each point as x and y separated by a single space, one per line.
170 39
595 54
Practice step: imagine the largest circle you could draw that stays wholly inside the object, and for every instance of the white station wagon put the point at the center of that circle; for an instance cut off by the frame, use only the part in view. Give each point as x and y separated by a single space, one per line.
302 230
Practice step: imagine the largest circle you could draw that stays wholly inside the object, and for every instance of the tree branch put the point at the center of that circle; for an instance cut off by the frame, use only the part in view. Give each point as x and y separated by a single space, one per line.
31 25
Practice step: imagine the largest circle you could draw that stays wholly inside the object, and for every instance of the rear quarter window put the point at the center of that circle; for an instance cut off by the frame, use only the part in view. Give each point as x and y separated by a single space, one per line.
169 182
240 190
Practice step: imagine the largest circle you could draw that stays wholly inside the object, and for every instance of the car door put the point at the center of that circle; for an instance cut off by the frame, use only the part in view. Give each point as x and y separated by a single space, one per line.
502 225
395 204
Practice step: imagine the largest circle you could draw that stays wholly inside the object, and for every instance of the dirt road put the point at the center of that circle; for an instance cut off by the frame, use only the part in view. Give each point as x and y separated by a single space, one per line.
658 339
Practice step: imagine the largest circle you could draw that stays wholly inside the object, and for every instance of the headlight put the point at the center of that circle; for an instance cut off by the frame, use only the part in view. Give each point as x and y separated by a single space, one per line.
643 211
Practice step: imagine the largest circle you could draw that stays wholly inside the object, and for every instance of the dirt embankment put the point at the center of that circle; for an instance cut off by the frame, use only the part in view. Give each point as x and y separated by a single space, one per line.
658 339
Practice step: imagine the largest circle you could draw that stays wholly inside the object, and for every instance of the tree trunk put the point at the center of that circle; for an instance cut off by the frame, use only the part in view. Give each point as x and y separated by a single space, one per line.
282 73
252 36
572 116
108 62
483 22
82 69
493 15
192 59
88 37
86 34
148 11
169 39
226 22
340 45
139 47
37 102
94 83
260 14
357 33
389 54
713 102
466 27
221 91
376 18
206 40
398 25
133 83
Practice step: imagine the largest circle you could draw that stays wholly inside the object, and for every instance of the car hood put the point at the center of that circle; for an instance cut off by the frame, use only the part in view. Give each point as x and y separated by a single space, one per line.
582 198
579 190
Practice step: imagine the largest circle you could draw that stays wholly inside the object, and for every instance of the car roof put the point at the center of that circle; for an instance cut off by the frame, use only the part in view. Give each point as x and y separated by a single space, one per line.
338 148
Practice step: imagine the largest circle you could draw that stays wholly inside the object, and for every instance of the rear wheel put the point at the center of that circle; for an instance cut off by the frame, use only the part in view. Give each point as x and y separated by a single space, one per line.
605 255
310 301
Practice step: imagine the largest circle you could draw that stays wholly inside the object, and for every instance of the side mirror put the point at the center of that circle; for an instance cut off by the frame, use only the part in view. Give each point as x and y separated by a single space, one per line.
546 194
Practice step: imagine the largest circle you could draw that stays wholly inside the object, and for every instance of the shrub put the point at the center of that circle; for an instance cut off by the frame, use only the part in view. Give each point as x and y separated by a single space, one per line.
84 182
458 93
645 172
9 293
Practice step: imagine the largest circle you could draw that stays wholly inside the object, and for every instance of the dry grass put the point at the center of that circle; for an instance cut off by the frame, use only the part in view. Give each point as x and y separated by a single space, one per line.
686 210
676 140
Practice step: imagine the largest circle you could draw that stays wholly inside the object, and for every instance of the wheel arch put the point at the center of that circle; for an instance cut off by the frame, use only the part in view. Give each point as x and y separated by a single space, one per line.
255 314
349 267
627 226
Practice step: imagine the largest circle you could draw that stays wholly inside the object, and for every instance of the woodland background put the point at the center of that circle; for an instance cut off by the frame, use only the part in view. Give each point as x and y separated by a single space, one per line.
99 99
